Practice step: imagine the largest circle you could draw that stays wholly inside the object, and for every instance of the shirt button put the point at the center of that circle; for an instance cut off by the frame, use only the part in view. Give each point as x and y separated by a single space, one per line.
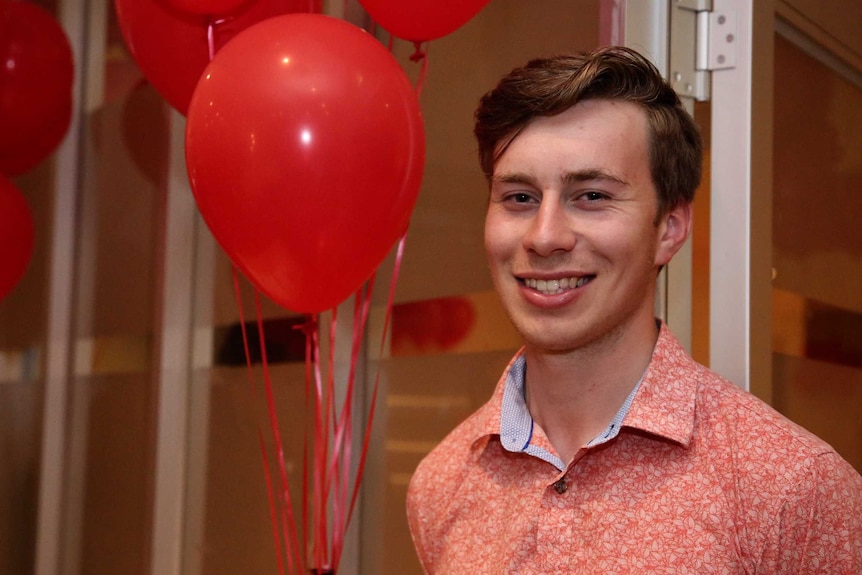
561 486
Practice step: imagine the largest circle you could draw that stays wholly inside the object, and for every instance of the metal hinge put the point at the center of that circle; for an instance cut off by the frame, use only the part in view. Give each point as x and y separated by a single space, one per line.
701 40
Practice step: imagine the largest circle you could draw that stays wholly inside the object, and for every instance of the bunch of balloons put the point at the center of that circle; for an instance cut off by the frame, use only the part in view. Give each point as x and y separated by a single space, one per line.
36 74
305 149
305 145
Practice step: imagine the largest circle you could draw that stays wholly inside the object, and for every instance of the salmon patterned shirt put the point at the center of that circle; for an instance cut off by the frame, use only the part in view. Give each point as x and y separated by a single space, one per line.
700 478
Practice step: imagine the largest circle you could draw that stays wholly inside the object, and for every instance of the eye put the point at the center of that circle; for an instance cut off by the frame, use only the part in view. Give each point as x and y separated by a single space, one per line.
517 200
520 198
593 196
514 196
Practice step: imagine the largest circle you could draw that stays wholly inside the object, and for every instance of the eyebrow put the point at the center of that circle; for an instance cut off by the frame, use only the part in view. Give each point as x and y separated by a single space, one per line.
513 178
593 175
578 176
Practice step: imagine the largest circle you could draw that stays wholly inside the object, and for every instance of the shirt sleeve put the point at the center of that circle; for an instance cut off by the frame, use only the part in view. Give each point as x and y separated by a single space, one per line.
820 524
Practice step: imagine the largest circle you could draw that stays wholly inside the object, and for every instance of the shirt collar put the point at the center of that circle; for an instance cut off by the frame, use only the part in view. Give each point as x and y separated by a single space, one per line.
516 423
663 403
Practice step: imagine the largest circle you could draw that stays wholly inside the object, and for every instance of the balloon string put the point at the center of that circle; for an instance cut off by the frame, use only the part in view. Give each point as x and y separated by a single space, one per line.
210 41
329 422
334 477
344 440
318 512
288 519
267 473
249 369
272 508
399 256
211 26
310 328
333 484
331 490
268 476
309 464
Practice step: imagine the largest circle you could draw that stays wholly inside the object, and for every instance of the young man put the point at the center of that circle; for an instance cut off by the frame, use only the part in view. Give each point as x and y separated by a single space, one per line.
605 448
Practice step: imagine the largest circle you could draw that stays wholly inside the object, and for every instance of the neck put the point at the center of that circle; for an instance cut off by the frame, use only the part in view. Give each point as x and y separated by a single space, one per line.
573 396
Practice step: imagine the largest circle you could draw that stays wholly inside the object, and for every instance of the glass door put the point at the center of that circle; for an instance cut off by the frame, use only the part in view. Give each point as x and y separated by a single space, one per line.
817 242
784 270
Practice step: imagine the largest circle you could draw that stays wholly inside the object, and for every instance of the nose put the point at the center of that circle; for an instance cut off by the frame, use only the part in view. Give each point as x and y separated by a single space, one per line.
550 231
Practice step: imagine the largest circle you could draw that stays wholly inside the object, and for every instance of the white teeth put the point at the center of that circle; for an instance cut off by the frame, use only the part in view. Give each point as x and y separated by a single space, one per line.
552 287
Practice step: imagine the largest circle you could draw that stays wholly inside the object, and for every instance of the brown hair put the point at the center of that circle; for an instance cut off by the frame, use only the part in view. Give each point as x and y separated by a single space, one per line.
549 86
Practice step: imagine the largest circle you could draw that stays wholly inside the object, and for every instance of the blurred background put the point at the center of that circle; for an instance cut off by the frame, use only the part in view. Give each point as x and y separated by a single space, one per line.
128 433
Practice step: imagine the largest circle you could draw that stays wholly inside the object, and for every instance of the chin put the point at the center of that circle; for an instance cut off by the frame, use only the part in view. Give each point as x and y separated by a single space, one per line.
553 341
564 340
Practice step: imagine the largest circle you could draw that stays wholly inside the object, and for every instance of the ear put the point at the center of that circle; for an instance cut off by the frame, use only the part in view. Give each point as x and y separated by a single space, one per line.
674 228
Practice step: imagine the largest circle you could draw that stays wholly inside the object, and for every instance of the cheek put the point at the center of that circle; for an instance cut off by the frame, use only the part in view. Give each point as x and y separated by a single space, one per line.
496 258
496 239
632 244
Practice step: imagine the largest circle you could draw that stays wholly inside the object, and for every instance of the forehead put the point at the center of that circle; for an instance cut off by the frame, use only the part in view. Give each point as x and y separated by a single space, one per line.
593 134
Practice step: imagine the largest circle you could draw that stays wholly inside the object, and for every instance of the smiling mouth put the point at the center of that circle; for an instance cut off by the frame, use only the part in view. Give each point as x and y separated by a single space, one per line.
553 287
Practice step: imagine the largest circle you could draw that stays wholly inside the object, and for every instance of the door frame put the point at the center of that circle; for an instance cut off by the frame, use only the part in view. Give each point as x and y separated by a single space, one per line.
741 186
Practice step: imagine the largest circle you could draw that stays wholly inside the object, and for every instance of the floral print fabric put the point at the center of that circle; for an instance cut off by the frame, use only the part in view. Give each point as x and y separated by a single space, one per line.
703 478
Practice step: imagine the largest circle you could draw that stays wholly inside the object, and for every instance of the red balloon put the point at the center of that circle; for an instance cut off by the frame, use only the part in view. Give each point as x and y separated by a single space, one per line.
28 157
16 236
305 148
2 21
36 73
422 20
206 7
172 48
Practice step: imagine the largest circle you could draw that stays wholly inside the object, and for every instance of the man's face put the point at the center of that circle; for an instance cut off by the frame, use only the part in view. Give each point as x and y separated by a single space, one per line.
570 232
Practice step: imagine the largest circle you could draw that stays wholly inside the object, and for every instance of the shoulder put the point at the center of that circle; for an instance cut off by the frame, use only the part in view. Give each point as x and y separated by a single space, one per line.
798 502
779 470
439 472
437 483
758 432
818 528
440 479
756 452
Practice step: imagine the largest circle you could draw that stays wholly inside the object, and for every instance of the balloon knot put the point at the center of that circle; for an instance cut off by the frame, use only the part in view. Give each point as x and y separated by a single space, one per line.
309 326
213 23
419 54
